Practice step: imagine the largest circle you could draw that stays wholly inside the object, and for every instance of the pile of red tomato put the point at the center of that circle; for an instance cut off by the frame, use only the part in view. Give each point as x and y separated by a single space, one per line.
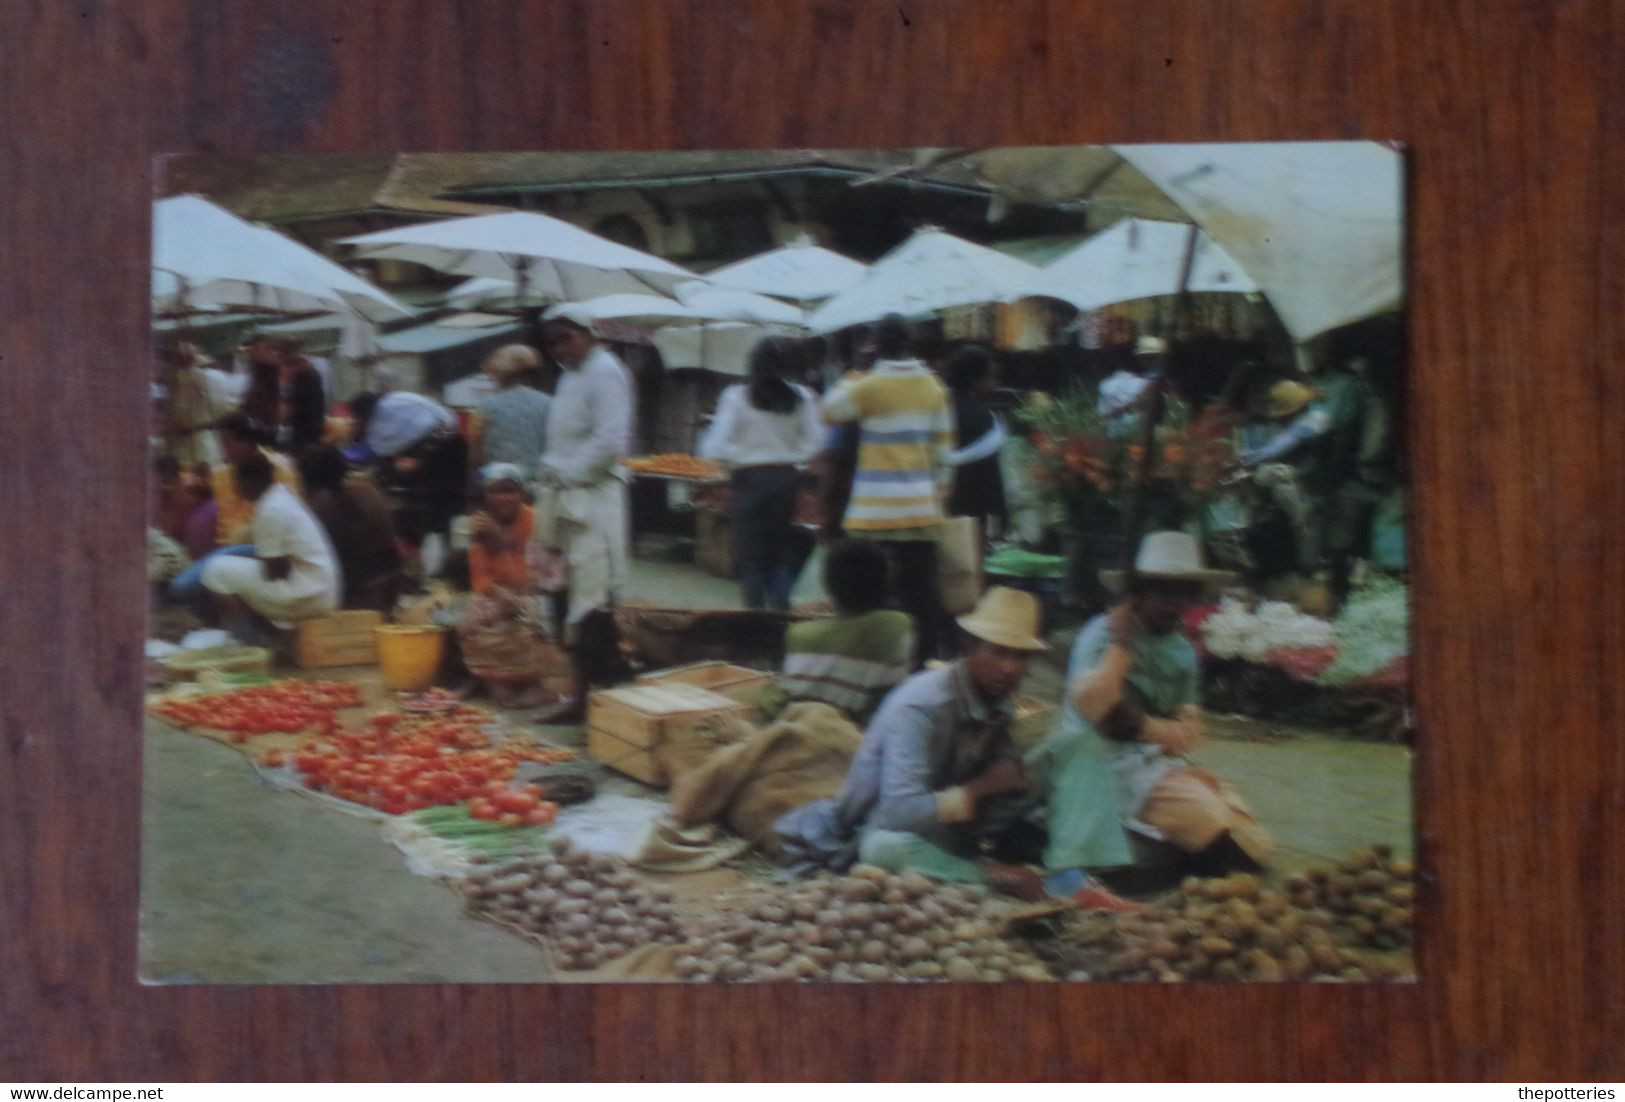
507 806
394 762
400 763
282 706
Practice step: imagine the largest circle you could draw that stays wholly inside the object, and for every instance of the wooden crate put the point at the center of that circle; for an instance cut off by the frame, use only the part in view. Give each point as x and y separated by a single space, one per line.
724 678
621 756
644 715
341 639
713 542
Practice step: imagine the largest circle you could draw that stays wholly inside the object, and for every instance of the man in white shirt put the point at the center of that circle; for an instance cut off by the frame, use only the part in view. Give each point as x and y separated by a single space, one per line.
294 573
581 502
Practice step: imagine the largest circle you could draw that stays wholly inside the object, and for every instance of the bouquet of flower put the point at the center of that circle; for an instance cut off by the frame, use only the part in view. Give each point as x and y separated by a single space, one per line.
1272 634
1072 449
1236 631
1374 632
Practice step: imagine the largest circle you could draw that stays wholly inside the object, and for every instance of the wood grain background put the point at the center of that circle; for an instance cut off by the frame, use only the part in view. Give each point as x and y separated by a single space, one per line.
1512 111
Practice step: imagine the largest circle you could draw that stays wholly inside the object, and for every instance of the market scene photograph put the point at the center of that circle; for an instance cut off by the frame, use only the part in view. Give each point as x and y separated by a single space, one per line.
779 566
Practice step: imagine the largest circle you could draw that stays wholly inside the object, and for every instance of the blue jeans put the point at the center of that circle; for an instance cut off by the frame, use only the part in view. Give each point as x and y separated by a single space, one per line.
764 500
186 588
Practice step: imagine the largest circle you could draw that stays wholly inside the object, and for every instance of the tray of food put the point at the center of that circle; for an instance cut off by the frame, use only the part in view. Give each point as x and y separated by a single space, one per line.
675 465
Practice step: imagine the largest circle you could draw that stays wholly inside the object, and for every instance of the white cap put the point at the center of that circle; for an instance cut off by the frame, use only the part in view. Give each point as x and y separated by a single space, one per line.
573 312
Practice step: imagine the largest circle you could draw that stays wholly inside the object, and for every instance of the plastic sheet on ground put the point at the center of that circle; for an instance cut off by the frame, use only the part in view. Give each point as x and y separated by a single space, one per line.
289 779
610 824
206 637
425 854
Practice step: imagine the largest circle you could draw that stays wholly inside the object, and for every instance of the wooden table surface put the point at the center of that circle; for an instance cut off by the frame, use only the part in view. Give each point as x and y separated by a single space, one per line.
1512 112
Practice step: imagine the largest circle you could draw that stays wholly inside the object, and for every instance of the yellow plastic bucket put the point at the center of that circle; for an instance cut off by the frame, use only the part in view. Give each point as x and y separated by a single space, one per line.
409 655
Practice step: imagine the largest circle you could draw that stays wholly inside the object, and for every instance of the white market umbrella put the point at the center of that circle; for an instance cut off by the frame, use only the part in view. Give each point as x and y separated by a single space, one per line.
801 271
473 319
723 346
357 337
714 336
1319 226
541 254
1134 259
635 309
204 256
727 304
932 270
491 292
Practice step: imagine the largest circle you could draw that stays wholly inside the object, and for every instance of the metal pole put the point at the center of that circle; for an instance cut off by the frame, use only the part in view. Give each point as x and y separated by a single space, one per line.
1134 513
521 284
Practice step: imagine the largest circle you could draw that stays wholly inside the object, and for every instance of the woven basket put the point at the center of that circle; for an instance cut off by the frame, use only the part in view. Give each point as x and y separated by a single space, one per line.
509 652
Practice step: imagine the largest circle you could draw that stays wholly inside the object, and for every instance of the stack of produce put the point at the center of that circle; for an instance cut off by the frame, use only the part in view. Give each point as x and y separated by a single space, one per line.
1373 633
285 707
868 926
399 764
1371 897
466 834
1224 929
589 907
674 465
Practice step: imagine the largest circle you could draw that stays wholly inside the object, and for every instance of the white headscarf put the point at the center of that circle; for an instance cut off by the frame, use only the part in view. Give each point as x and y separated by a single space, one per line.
496 472
402 418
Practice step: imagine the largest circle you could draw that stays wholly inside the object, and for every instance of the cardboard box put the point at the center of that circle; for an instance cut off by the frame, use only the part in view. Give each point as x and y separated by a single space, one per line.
342 639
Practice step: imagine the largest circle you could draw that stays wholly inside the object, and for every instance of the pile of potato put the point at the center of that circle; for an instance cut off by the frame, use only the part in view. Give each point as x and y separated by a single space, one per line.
1370 895
592 908
1223 929
870 925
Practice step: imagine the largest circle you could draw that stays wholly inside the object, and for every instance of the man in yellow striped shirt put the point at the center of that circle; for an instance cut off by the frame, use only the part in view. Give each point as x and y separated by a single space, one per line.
906 436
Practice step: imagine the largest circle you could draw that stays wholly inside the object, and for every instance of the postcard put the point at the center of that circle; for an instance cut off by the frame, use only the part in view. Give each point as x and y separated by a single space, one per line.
779 566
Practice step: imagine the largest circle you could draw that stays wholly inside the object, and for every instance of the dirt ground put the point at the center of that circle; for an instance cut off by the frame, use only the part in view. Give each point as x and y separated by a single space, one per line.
243 883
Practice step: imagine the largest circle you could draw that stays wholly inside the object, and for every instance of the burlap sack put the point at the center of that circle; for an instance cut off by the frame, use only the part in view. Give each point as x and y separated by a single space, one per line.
689 746
1193 808
748 785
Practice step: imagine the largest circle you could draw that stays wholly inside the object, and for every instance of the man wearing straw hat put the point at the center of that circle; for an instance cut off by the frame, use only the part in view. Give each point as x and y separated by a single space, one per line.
1118 756
937 786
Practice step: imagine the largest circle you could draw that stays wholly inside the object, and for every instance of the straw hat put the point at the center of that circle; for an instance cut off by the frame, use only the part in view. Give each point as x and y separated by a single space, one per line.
1288 397
1170 556
1006 617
